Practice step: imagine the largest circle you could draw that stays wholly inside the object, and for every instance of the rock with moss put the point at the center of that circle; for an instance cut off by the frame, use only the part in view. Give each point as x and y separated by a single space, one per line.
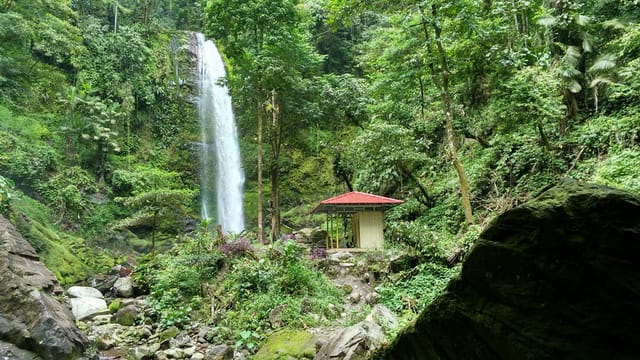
288 344
556 278
31 316
127 316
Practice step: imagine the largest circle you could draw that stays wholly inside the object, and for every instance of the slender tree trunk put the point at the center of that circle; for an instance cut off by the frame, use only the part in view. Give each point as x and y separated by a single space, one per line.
275 168
115 16
260 220
452 151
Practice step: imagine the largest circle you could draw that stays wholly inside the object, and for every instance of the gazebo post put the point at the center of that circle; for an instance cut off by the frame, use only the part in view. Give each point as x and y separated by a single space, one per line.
337 225
326 240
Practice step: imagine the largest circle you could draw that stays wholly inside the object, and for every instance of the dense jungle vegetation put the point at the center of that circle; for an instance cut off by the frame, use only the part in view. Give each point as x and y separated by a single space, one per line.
462 108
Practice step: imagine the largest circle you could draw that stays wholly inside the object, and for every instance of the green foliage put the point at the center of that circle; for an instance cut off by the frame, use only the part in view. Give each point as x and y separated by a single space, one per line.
175 278
26 163
115 305
621 170
413 290
282 279
155 198
70 258
6 194
68 191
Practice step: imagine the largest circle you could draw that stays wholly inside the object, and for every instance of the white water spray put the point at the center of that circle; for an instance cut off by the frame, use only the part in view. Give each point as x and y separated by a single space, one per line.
219 152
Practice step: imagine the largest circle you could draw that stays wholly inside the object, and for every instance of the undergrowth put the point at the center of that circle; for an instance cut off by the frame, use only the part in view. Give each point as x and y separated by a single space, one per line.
241 292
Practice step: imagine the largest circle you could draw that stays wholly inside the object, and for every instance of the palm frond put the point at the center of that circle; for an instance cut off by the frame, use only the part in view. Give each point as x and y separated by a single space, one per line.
582 20
574 87
616 24
547 20
603 63
601 80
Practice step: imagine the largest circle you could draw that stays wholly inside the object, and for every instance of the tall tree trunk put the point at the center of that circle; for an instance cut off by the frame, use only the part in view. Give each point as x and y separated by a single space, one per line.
115 16
452 151
260 211
275 168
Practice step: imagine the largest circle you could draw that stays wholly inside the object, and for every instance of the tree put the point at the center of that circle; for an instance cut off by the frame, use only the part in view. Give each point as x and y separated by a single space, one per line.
269 51
155 196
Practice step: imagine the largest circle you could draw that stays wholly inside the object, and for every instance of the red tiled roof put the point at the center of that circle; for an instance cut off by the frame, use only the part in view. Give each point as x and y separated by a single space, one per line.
351 201
356 197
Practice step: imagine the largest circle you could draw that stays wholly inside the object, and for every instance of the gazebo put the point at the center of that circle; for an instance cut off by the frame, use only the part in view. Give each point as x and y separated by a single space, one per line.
364 211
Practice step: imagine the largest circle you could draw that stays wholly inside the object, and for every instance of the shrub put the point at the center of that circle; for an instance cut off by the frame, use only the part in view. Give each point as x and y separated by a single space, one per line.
416 288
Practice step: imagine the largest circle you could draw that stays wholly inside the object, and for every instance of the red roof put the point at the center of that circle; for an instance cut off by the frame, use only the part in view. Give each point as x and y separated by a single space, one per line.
356 197
354 200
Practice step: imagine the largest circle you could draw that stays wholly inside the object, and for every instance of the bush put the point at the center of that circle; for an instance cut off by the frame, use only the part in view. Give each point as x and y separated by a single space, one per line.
175 279
621 170
415 289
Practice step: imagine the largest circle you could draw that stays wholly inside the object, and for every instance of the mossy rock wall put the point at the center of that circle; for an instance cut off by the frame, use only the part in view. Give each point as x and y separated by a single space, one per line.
557 278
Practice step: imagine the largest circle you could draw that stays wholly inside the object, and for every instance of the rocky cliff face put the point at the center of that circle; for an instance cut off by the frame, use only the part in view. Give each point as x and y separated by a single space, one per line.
31 317
557 278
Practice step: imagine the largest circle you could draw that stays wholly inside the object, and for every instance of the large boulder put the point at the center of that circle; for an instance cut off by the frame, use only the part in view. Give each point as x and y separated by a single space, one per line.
31 317
557 278
355 342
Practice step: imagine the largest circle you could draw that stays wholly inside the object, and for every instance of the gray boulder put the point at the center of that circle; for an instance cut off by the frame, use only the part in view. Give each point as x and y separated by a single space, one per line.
124 287
31 317
84 291
11 352
87 302
86 308
356 342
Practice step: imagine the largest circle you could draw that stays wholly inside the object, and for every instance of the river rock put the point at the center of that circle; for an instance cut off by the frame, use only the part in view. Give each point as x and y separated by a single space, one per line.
31 317
219 352
382 316
124 287
84 291
556 278
85 308
127 316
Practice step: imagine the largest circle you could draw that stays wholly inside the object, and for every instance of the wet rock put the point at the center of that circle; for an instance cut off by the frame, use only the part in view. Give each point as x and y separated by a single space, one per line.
341 257
105 342
556 278
371 298
31 317
403 262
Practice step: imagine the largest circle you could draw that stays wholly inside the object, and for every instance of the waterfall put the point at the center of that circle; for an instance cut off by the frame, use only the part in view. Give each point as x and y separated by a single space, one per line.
219 150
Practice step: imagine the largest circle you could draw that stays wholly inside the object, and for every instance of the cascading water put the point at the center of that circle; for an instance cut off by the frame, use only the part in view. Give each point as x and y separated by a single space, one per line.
219 152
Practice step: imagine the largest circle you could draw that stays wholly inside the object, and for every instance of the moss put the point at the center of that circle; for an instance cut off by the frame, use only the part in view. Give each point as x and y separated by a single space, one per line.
169 333
115 305
288 344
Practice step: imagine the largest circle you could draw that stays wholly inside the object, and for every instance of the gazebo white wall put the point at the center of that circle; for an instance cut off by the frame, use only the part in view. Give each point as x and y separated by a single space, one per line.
368 229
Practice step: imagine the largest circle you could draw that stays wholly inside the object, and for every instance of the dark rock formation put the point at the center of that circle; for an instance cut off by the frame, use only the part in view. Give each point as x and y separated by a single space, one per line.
557 278
31 317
